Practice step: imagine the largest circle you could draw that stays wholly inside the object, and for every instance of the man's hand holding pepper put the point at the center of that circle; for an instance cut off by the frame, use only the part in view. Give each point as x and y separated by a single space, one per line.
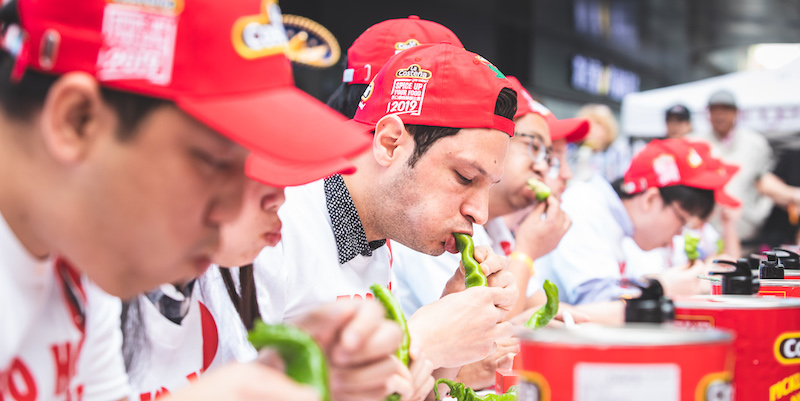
360 343
475 314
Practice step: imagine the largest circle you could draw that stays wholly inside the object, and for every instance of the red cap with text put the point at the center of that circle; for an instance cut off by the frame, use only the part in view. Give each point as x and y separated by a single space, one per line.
439 85
380 42
668 162
573 129
222 62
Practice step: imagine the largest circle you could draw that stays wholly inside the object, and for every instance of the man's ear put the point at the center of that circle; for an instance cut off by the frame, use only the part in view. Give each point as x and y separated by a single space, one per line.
651 199
73 116
390 134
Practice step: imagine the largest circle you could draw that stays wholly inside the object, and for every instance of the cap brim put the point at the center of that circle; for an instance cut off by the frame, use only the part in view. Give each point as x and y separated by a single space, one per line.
716 182
283 173
573 129
288 130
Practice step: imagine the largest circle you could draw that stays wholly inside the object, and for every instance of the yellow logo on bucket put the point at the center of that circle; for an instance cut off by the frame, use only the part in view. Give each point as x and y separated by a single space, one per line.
787 348
533 387
715 387
262 35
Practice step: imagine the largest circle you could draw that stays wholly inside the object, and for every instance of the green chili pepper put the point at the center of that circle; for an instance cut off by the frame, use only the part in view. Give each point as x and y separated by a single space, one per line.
540 189
546 313
463 393
304 359
690 242
394 313
720 246
473 275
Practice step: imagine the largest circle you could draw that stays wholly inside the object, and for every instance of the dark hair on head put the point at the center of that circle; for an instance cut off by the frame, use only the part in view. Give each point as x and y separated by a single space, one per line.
21 100
426 135
346 97
697 202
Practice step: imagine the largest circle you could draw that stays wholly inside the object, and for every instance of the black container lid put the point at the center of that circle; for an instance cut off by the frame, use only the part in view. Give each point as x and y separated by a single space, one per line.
771 268
651 306
740 281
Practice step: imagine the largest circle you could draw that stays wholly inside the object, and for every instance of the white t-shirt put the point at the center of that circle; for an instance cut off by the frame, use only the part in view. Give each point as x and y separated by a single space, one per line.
421 278
303 272
589 259
209 335
51 348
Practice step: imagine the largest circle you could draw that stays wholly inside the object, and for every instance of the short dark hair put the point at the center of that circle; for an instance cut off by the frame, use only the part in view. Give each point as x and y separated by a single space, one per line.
346 97
19 100
697 202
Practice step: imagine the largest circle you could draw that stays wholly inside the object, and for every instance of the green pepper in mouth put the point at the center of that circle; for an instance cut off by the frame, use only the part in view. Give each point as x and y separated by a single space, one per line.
540 189
473 275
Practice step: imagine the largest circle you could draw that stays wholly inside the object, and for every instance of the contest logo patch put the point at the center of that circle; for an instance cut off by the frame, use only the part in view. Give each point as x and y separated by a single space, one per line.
533 387
262 35
666 169
139 40
715 387
408 90
787 348
400 46
310 43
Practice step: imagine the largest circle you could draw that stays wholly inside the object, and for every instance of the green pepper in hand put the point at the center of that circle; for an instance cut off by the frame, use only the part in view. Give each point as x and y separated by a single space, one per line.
304 359
540 189
690 242
473 275
463 393
394 313
546 313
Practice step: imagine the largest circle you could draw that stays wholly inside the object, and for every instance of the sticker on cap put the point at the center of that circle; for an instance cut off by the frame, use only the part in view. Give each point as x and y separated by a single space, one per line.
138 43
666 170
694 158
262 35
171 6
408 90
400 46
491 66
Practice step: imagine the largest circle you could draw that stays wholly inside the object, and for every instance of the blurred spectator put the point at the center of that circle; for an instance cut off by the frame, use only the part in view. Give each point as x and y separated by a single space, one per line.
755 184
602 152
679 121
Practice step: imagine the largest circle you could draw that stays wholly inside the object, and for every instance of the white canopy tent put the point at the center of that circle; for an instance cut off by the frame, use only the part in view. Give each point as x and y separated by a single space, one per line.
768 100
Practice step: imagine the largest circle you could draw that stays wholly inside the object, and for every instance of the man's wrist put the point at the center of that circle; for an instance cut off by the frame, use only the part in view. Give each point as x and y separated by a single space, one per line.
524 258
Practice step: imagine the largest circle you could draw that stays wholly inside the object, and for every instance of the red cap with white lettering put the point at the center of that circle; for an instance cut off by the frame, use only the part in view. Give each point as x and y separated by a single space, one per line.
380 42
439 85
573 129
667 162
222 62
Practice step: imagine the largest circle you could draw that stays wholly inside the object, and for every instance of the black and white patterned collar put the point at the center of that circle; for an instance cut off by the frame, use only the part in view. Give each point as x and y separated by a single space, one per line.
351 240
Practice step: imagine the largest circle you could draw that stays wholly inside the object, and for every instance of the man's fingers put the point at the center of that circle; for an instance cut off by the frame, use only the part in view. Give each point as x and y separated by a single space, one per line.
368 316
380 379
383 338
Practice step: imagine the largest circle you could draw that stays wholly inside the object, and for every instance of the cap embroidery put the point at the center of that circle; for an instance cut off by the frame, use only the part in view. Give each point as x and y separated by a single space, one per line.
400 46
491 66
138 43
262 35
666 170
413 71
368 91
694 159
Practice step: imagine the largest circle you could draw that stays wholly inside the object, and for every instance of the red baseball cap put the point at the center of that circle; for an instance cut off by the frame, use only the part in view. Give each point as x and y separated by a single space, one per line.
221 62
440 85
573 129
380 42
666 162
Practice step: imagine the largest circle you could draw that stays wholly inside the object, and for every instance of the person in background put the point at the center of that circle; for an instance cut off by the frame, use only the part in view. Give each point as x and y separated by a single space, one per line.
671 183
678 121
603 152
755 184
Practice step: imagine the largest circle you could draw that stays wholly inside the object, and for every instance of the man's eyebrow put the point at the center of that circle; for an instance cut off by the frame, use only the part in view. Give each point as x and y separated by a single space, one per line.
480 169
